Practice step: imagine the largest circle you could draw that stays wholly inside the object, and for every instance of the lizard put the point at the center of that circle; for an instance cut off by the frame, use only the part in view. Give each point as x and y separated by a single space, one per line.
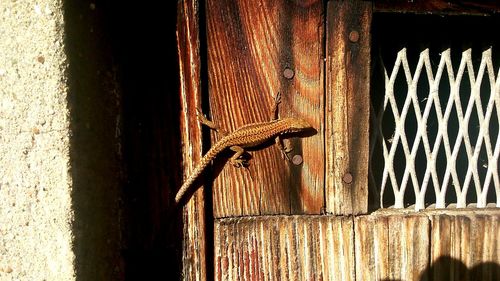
247 136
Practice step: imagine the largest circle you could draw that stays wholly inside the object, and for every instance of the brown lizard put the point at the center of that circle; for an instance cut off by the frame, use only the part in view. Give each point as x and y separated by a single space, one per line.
246 136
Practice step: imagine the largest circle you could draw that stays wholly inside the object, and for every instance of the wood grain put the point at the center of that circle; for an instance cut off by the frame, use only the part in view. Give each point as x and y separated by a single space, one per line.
468 241
386 245
391 247
430 245
347 106
250 44
284 248
194 263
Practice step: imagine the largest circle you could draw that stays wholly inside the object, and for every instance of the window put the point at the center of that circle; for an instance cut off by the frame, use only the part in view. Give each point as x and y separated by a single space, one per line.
435 112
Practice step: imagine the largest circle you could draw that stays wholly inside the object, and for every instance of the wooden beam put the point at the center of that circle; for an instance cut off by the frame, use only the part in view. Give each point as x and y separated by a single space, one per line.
441 7
194 251
347 106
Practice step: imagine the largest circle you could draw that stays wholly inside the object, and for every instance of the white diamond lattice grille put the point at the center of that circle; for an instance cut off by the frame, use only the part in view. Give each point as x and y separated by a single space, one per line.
479 144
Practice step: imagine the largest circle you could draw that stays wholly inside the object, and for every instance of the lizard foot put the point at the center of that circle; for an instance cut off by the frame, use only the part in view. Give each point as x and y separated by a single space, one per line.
285 149
277 98
239 163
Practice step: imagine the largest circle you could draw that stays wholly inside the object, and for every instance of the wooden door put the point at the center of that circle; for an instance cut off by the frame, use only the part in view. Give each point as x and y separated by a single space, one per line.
307 219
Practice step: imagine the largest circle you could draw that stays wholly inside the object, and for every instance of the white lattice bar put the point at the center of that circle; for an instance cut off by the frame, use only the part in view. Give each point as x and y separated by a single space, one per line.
452 148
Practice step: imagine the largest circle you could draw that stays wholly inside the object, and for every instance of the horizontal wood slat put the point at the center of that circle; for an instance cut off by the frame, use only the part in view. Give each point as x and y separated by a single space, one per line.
430 245
442 7
465 247
284 248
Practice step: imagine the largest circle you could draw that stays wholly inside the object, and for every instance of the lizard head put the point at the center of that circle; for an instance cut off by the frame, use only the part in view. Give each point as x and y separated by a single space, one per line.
296 125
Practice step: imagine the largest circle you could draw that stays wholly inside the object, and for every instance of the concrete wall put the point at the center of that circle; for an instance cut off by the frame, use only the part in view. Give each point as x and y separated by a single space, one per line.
89 153
35 181
60 149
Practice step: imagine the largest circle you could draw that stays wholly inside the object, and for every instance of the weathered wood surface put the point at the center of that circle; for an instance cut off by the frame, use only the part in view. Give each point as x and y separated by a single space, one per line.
255 50
284 248
347 106
469 240
386 245
431 245
249 46
391 247
442 7
194 264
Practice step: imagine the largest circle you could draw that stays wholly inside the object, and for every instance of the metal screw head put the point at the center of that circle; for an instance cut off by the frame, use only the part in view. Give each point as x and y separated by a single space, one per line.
297 159
347 178
354 36
288 73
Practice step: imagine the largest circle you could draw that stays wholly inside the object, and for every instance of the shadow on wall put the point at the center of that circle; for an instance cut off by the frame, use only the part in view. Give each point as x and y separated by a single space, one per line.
451 269
125 162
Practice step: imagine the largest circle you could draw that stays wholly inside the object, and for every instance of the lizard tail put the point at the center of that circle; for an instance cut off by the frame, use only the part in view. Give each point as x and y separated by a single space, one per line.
205 161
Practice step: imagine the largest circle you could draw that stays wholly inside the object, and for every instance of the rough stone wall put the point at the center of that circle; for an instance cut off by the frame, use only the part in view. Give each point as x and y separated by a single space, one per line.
35 182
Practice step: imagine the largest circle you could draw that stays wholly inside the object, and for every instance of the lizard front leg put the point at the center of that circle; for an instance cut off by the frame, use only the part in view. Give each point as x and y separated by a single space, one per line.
284 147
274 109
203 120
236 160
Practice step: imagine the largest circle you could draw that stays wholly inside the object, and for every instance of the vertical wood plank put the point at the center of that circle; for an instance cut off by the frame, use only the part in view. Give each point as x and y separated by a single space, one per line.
285 248
194 249
250 44
371 247
347 106
391 247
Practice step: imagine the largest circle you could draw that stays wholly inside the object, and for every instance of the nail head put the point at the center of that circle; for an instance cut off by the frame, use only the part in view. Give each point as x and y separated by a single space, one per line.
354 36
297 159
288 73
347 178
